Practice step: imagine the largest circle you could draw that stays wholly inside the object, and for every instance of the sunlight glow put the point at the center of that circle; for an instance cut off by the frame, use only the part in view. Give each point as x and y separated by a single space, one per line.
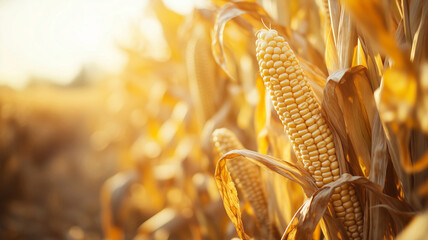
52 39
181 6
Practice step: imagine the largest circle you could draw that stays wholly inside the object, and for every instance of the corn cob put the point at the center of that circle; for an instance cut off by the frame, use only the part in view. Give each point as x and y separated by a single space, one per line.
202 74
305 125
247 177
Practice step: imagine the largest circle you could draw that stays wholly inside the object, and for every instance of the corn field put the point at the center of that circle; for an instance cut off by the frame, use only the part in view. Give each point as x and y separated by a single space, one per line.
269 119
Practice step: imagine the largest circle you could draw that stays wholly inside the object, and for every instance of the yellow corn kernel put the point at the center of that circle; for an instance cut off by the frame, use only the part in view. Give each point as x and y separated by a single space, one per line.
247 177
310 132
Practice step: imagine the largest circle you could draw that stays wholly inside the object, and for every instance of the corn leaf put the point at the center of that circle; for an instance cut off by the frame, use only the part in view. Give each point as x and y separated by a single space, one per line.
251 17
350 106
228 190
311 212
417 228
374 24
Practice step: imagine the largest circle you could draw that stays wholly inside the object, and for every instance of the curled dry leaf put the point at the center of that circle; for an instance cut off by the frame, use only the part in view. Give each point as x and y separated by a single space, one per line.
228 190
311 212
227 13
251 17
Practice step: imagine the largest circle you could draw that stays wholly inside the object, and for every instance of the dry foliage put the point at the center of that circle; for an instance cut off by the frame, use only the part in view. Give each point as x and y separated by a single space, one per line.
366 62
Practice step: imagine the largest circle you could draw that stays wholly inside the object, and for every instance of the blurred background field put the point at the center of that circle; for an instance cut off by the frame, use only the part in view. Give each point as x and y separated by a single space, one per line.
107 110
72 115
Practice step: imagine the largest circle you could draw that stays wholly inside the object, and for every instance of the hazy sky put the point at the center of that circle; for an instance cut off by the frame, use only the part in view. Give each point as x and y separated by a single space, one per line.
53 38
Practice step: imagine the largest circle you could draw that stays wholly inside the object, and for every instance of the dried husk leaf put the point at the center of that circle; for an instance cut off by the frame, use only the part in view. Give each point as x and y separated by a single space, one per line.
407 150
422 107
397 145
311 212
359 56
331 58
346 40
372 20
379 153
228 190
349 104
288 170
335 9
229 195
306 219
229 12
373 62
412 11
378 174
340 40
418 146
419 50
417 229
251 17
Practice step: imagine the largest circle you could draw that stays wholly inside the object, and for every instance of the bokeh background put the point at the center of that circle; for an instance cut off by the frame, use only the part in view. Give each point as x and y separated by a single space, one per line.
73 111
107 108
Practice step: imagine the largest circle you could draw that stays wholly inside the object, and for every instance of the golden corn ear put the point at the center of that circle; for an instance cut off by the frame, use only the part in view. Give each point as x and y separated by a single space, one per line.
201 68
304 123
246 176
